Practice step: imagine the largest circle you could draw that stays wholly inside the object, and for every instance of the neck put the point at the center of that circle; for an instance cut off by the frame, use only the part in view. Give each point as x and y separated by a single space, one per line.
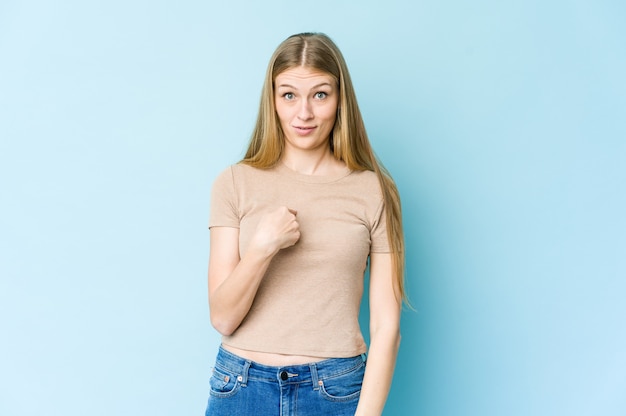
311 163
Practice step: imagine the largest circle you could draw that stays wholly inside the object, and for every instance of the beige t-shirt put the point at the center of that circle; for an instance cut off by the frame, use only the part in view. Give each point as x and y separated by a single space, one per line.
309 299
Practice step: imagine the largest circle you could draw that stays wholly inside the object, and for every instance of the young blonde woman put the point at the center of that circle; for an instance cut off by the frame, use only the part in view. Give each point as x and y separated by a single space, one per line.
293 226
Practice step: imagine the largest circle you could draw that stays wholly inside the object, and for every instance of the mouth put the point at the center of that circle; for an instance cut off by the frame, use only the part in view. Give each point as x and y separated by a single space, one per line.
303 130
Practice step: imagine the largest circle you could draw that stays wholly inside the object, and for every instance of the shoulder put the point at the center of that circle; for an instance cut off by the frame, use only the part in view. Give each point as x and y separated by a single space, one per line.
225 176
238 170
366 180
241 176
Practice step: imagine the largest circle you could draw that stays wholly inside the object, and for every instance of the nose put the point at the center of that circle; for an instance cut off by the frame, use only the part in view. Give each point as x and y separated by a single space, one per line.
305 112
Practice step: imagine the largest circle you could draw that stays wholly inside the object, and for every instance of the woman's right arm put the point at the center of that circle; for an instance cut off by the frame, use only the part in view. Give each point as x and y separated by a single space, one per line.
234 281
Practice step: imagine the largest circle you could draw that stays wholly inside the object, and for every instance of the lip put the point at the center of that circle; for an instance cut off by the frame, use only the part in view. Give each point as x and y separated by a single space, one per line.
304 130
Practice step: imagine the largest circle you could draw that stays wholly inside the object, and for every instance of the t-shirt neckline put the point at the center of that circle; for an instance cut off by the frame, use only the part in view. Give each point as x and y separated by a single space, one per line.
284 170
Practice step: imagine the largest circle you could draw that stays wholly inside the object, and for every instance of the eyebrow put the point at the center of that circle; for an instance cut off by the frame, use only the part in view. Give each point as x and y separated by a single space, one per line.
314 87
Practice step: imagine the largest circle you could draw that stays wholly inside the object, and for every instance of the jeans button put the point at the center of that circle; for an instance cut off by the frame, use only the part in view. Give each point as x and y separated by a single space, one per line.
284 376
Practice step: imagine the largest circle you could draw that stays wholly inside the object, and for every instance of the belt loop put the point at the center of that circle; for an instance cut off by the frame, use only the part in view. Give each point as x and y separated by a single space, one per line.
244 373
316 382
364 357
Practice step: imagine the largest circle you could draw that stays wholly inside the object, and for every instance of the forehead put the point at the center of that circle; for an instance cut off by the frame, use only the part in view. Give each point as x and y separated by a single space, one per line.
304 76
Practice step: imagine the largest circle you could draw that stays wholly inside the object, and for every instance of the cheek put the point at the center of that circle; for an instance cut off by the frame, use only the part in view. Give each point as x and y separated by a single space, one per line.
330 119
330 115
283 113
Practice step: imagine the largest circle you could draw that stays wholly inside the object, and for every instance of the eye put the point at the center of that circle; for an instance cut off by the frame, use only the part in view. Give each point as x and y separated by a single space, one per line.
321 95
289 96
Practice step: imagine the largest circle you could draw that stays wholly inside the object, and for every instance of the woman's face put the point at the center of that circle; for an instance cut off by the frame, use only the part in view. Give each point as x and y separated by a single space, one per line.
306 104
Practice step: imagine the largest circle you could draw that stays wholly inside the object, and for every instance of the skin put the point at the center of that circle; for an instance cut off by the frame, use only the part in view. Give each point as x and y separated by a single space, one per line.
306 104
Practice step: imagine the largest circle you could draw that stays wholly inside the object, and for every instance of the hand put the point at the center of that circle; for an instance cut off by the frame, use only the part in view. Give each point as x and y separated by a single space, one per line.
277 229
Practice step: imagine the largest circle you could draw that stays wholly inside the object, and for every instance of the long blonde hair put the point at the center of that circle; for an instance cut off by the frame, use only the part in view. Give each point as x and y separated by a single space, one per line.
348 139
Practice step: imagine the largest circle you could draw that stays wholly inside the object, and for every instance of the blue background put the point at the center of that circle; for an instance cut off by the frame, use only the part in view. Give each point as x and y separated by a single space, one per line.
504 124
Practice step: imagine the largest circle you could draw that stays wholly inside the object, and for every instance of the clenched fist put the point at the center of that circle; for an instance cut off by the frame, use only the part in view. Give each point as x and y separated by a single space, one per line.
276 230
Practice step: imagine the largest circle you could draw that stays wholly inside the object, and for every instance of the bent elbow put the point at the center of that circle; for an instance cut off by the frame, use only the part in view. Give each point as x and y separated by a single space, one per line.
223 326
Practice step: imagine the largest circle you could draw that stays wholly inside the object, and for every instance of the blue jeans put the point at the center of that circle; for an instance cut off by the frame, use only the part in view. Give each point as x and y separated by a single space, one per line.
240 387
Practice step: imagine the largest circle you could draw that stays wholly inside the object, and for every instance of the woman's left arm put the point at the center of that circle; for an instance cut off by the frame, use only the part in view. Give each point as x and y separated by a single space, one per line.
385 309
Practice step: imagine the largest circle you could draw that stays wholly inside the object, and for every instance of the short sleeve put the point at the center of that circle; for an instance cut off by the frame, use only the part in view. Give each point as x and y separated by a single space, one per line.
224 208
378 233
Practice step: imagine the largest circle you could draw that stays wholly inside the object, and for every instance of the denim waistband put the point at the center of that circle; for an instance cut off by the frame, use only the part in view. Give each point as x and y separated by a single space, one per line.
313 372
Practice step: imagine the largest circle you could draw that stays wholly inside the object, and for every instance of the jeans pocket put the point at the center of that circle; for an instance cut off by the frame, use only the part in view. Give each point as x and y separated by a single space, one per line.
344 387
223 383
